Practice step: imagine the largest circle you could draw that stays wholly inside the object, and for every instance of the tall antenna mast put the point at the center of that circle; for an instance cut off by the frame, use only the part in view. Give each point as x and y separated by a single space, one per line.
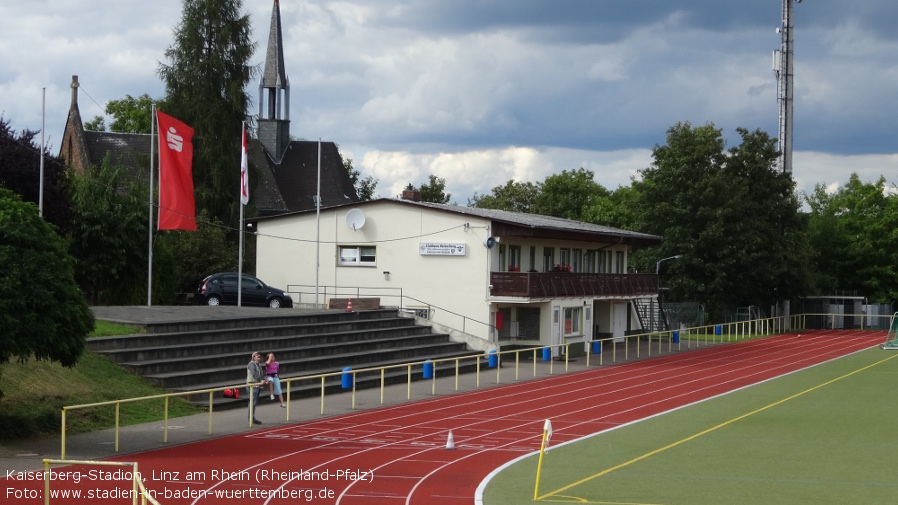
782 67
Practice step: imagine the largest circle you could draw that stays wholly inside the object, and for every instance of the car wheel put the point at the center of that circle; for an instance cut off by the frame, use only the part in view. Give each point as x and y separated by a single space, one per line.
274 303
213 301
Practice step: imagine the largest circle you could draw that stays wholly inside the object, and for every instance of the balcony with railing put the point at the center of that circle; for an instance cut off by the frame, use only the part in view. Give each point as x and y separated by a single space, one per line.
569 284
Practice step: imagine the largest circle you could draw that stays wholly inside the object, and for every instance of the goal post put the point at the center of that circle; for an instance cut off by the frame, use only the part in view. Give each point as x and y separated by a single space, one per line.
891 342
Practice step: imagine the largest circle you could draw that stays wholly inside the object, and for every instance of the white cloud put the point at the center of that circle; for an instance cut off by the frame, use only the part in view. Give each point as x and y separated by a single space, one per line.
482 92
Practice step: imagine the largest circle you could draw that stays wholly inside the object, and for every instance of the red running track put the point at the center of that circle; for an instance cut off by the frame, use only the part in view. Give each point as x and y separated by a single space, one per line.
398 455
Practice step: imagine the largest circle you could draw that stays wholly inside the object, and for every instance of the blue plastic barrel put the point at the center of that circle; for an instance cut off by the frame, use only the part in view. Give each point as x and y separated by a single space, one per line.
347 378
493 359
597 347
718 330
428 369
676 337
547 354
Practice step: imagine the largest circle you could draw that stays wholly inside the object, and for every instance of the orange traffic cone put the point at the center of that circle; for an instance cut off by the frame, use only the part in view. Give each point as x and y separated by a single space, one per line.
349 306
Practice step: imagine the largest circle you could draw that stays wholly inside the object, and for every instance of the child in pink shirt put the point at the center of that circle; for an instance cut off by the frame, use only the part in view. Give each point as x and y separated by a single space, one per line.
274 382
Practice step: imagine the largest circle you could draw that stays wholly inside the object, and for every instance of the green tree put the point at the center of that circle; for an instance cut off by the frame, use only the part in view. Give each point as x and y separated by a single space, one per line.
513 196
853 230
203 252
129 115
364 188
732 215
568 194
108 237
42 312
206 83
20 160
434 190
619 209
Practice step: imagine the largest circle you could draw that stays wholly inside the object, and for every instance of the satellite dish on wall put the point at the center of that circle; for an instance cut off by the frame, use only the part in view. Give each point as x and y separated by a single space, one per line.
355 219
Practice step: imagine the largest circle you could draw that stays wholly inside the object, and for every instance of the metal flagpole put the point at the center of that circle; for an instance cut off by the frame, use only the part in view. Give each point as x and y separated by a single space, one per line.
150 227
240 245
40 198
240 262
318 224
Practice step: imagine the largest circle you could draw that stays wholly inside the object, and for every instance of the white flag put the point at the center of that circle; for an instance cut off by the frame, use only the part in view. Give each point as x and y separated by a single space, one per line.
244 175
548 429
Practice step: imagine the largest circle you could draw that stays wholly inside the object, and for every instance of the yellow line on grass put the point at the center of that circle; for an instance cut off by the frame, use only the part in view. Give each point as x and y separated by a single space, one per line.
709 430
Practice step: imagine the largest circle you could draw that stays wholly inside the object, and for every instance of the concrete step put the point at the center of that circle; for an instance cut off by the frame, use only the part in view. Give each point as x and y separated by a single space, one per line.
334 384
287 351
211 334
213 352
195 379
262 343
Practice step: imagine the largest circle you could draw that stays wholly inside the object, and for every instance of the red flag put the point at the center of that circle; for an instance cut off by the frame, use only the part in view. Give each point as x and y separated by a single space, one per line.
177 210
244 172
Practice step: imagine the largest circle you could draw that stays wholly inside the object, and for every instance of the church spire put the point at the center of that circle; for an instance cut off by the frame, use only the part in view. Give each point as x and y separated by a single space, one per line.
274 92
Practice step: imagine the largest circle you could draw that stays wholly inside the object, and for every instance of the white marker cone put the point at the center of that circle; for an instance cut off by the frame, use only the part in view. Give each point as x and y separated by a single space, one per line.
450 442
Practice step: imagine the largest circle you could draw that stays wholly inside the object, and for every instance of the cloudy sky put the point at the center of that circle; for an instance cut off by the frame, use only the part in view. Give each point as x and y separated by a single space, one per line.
479 92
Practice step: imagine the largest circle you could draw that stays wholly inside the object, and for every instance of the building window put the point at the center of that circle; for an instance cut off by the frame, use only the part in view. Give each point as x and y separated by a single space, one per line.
358 255
565 257
548 258
514 258
604 262
619 265
533 258
577 260
572 321
589 262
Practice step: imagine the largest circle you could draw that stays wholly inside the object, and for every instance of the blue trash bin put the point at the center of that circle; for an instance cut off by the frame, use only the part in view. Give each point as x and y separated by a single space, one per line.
597 347
718 330
676 337
347 378
547 354
428 369
493 359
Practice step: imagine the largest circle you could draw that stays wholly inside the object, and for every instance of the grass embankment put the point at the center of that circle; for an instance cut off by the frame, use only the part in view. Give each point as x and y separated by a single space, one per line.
36 391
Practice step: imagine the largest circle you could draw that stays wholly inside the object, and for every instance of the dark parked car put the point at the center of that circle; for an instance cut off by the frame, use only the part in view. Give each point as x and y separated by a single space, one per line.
221 289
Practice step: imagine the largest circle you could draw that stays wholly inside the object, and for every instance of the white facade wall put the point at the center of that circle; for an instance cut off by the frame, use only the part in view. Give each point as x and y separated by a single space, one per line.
456 287
287 250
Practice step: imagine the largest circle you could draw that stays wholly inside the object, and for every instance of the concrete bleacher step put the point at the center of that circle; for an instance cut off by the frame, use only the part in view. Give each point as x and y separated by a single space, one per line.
209 333
212 353
185 352
334 383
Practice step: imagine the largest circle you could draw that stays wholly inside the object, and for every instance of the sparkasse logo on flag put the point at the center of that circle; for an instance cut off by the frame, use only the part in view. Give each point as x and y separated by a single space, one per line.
177 209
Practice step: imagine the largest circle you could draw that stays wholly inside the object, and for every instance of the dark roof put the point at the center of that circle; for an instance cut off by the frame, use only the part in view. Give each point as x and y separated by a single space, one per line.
130 150
277 188
296 176
518 224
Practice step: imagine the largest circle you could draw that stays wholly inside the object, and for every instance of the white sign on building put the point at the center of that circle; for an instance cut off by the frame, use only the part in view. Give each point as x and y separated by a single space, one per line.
441 249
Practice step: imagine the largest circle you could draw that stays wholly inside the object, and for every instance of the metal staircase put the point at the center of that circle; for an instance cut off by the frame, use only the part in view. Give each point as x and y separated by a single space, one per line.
650 314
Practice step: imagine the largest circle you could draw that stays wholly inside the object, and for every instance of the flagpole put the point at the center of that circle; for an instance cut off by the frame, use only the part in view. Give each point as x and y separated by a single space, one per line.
318 224
40 198
240 201
150 227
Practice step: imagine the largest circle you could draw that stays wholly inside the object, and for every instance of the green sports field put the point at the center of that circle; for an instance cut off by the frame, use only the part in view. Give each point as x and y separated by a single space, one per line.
824 435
